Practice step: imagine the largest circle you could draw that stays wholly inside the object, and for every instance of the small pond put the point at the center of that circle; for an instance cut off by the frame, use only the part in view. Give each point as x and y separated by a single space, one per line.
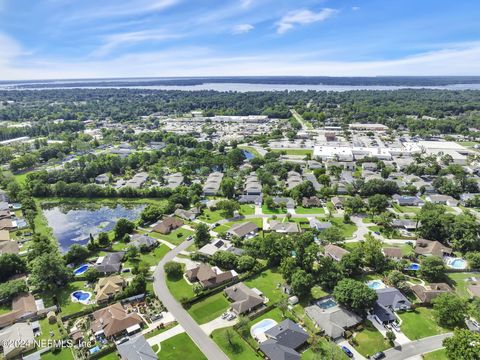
248 154
73 224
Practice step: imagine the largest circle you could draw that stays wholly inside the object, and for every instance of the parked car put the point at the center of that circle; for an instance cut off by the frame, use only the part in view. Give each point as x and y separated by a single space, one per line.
379 355
225 315
347 351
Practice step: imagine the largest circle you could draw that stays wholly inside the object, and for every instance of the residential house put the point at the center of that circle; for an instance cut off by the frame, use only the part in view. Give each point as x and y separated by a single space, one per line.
405 224
244 299
311 201
114 320
319 225
141 241
212 185
335 252
214 246
102 179
252 185
337 202
243 229
465 198
284 227
251 199
474 289
288 202
370 166
16 340
174 180
167 225
5 214
9 247
388 301
312 178
108 287
110 263
283 340
334 320
293 179
137 348
429 292
393 253
210 277
7 224
431 248
137 181
188 215
4 206
4 235
24 307
442 199
404 200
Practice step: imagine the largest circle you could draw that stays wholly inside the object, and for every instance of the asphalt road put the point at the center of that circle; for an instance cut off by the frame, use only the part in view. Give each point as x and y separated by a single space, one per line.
417 347
206 345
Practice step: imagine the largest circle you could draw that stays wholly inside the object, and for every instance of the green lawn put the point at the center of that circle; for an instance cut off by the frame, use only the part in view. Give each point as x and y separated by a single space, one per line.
180 347
420 323
346 229
436 355
247 209
211 216
295 151
153 257
274 314
267 210
252 150
406 249
64 298
237 349
370 340
111 356
407 209
46 328
317 292
160 330
64 354
458 280
5 308
209 308
267 282
179 288
312 210
176 237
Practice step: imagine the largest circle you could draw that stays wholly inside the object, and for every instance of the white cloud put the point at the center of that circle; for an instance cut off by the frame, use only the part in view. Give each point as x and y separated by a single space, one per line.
242 28
302 17
117 40
459 59
355 8
246 3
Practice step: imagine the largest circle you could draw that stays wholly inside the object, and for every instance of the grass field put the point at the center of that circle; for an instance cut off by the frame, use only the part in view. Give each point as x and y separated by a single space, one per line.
247 209
151 258
295 151
420 323
370 340
460 284
176 237
112 356
209 308
436 355
64 354
267 210
179 288
211 216
312 210
180 347
64 298
267 282
346 229
237 348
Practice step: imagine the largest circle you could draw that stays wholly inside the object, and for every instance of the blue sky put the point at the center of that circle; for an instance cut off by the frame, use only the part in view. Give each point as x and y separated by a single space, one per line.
42 39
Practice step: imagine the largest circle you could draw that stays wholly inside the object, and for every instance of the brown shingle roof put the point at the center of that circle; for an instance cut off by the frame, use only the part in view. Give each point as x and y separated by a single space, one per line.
167 225
335 252
108 287
427 293
244 299
429 247
113 320
208 277
4 235
392 252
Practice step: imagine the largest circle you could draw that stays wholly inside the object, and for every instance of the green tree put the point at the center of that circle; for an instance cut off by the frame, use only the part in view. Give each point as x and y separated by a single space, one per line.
202 235
228 187
76 254
463 345
433 269
245 263
103 240
173 269
228 207
225 260
377 204
354 295
301 283
123 227
450 310
10 265
49 272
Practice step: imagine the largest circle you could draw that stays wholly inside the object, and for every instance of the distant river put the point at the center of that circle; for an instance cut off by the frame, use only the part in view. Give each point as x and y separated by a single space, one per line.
242 87
74 224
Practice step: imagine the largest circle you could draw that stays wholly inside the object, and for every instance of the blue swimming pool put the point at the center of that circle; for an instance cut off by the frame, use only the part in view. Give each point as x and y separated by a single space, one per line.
457 263
262 326
94 349
376 284
81 269
413 266
326 304
81 296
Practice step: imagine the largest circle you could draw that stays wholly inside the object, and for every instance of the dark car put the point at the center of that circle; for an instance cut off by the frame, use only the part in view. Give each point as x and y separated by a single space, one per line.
379 355
347 351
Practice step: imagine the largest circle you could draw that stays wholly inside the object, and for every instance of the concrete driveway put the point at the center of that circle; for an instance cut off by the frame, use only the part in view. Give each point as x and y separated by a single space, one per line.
356 354
417 347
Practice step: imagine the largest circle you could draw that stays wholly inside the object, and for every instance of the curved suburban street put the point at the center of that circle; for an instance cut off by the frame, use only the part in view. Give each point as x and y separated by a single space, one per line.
417 347
203 341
